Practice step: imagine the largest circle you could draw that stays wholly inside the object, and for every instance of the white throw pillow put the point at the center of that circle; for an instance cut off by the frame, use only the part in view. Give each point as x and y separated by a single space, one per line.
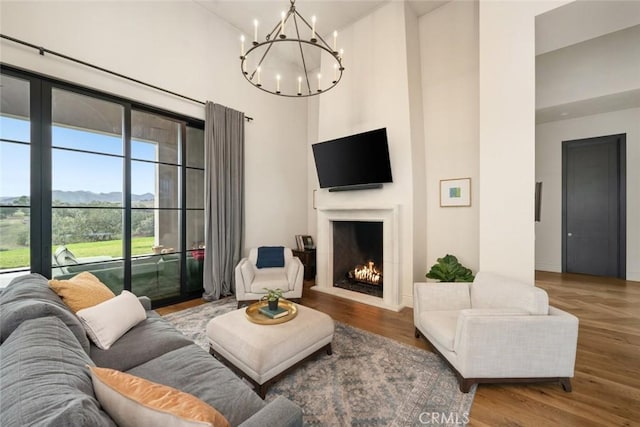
109 320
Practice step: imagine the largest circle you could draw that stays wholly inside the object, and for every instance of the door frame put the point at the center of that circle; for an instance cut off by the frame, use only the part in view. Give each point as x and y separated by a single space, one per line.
622 197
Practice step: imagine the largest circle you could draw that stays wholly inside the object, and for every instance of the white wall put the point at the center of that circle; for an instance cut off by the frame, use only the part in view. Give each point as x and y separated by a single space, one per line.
549 137
374 93
417 145
507 129
449 52
180 46
313 105
602 66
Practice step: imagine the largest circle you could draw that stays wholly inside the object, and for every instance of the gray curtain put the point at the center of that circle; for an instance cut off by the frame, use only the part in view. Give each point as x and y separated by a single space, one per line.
224 198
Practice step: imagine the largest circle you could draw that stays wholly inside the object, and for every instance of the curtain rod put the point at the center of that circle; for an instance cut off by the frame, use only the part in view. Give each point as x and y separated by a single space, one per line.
43 50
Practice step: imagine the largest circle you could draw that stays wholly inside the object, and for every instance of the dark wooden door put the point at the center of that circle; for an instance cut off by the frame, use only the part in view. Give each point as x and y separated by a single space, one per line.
594 220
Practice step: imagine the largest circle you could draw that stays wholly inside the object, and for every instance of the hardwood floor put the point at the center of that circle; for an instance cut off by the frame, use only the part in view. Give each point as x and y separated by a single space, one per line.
606 386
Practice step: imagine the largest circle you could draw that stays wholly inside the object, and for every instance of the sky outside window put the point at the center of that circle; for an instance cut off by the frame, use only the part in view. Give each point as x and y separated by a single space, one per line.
14 170
72 171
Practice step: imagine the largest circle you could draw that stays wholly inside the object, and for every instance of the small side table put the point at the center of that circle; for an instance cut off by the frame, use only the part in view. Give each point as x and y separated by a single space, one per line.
308 259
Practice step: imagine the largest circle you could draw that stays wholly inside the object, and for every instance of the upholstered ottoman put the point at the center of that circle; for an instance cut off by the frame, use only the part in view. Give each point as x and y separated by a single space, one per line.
260 353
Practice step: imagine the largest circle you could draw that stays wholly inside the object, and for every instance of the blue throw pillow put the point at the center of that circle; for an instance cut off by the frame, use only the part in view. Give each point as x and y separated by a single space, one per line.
270 256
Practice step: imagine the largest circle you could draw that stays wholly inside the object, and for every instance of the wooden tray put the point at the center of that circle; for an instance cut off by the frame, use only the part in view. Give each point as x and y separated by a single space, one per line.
254 315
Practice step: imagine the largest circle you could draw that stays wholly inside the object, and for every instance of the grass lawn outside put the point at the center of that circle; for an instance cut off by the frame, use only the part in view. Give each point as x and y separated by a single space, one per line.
19 257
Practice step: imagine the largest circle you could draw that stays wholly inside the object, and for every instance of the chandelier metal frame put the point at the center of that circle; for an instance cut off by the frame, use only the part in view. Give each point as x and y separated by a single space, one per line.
277 35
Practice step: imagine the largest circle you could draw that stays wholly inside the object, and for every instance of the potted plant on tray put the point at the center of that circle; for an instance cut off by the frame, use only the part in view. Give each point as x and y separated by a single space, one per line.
272 297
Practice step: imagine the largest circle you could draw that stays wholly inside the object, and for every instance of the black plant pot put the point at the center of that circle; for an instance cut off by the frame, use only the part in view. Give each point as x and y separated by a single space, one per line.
273 305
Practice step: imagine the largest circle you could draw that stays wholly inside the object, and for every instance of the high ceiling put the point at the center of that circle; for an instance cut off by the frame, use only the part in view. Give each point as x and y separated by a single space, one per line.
331 14
579 25
583 20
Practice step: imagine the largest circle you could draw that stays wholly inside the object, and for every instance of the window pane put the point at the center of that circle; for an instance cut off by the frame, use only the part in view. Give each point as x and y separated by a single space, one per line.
81 179
81 235
14 237
195 147
15 129
143 226
154 138
15 170
195 189
84 140
195 256
153 181
156 276
85 123
110 273
195 262
155 231
195 229
14 109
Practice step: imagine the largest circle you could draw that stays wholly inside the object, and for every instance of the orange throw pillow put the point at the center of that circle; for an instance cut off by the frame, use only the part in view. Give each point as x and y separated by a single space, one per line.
134 401
83 290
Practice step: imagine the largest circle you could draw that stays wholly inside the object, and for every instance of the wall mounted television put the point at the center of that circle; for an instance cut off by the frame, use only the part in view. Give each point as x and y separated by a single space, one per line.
354 162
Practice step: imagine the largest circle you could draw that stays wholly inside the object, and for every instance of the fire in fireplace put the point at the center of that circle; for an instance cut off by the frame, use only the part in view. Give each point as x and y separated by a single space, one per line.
368 274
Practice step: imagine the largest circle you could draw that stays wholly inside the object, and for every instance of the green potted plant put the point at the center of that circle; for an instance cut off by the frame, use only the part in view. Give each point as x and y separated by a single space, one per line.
272 297
448 269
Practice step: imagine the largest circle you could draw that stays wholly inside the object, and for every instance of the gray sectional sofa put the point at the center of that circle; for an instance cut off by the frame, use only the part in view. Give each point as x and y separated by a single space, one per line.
44 352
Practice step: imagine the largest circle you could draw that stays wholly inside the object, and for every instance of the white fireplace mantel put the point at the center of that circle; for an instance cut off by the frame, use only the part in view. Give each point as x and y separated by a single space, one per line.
389 216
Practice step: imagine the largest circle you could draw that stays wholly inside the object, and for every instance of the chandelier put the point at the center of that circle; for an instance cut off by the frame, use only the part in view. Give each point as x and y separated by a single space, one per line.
297 44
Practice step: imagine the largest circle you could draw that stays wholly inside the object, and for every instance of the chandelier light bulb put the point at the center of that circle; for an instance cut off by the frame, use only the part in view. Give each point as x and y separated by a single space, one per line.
255 31
299 85
277 83
319 79
282 36
313 28
335 40
335 73
242 46
258 71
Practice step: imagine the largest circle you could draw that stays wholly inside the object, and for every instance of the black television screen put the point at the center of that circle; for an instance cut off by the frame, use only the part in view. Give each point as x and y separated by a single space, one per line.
353 160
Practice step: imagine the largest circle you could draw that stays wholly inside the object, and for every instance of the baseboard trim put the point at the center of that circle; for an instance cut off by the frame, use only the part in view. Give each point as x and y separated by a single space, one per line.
553 268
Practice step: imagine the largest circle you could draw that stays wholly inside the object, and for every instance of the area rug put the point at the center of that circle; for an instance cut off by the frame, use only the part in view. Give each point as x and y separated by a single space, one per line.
369 380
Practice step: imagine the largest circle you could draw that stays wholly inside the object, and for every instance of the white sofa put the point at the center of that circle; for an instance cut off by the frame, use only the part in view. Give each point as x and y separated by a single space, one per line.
497 330
251 280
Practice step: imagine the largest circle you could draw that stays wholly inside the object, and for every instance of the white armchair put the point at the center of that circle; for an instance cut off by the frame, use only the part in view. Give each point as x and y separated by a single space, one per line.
497 330
251 280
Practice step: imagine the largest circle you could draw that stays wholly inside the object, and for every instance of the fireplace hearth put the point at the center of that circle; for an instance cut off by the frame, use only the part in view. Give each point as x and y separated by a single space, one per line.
357 256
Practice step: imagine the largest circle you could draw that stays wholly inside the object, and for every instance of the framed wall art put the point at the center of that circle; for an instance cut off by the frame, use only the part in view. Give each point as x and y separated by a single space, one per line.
455 192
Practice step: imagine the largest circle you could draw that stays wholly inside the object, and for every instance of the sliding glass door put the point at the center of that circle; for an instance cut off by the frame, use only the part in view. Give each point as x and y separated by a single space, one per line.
156 243
120 195
87 183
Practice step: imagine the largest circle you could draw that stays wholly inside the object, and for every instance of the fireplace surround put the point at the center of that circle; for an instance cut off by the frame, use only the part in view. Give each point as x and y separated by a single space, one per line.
388 216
